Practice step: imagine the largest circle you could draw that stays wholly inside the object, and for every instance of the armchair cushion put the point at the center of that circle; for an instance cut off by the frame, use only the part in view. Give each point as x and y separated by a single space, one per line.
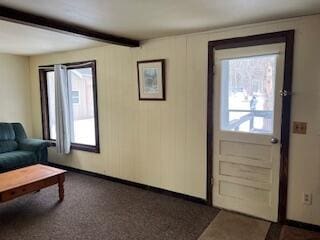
7 132
17 150
33 145
19 131
8 146
16 159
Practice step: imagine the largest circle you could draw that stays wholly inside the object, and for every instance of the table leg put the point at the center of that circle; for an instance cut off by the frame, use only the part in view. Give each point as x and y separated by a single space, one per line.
61 187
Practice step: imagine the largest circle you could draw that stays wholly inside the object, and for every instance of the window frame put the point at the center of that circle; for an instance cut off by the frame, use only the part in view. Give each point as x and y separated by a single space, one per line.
45 110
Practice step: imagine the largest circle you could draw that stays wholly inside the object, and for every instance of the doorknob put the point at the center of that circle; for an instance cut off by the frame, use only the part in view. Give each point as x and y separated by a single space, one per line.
274 140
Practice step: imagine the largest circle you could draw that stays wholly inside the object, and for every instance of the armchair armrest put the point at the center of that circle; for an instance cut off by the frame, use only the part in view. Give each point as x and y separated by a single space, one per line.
33 145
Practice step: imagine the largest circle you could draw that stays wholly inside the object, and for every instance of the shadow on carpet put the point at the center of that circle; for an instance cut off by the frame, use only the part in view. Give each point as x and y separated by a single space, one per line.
99 209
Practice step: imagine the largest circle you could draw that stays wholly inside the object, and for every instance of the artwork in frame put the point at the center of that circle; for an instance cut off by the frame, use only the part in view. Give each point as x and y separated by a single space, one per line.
151 79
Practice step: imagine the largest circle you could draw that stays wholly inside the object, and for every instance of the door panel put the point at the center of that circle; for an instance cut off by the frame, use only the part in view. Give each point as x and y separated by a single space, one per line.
247 115
245 171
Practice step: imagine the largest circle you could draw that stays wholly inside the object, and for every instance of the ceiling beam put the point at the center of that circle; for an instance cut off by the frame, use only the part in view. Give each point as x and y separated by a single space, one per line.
21 17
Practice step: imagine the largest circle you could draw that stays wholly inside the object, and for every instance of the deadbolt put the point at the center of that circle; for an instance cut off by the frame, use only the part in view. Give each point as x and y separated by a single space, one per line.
274 140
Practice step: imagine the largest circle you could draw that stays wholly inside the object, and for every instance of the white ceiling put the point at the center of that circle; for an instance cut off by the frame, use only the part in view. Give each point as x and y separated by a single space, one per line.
145 19
24 40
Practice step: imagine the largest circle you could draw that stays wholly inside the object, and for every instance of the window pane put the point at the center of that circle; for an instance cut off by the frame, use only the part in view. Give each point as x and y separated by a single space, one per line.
51 104
247 94
82 106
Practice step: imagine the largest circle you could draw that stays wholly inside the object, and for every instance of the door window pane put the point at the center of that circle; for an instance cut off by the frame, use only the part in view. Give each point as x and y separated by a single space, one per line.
247 94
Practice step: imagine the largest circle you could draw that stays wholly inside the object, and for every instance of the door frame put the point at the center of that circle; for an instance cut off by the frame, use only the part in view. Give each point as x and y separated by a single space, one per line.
286 37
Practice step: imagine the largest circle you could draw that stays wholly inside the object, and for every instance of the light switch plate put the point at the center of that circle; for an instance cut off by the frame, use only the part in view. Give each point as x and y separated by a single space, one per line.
299 127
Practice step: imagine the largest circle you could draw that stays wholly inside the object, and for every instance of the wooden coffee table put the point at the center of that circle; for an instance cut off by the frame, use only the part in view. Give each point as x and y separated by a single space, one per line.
30 179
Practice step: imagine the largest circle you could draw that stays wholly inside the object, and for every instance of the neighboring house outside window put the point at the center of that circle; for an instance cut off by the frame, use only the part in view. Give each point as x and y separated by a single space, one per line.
75 97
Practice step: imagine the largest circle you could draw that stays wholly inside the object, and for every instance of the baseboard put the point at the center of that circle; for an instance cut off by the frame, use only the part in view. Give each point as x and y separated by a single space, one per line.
134 184
307 226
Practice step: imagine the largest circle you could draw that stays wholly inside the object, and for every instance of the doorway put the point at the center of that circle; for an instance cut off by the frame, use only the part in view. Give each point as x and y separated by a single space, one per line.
249 85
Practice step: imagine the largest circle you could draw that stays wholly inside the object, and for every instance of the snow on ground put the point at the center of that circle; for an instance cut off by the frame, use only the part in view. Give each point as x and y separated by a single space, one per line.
84 131
239 101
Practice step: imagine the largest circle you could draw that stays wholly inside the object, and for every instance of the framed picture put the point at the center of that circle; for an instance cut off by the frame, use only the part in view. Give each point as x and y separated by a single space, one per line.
151 79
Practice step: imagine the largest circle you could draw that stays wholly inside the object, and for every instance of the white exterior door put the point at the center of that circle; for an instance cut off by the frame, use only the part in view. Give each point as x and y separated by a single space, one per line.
247 129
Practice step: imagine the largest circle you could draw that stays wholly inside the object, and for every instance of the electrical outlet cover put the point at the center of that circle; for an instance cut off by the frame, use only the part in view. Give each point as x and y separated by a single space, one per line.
307 198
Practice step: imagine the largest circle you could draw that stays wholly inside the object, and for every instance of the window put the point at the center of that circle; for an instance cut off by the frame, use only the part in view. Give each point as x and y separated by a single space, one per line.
247 94
83 97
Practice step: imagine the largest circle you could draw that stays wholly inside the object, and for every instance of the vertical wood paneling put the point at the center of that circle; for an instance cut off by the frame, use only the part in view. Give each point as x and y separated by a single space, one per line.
180 114
196 124
167 120
172 167
112 108
179 163
127 115
14 90
155 143
155 125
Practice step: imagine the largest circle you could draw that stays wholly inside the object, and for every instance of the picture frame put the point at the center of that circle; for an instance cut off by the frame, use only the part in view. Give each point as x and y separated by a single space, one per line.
151 80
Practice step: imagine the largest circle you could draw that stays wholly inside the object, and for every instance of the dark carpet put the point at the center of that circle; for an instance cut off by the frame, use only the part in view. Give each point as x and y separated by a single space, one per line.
293 233
95 208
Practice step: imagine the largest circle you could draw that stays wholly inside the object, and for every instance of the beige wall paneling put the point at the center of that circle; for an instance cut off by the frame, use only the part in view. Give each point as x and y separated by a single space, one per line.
163 144
15 100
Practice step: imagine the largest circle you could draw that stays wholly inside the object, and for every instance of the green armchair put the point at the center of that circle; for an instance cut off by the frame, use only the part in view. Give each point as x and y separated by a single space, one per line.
17 150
